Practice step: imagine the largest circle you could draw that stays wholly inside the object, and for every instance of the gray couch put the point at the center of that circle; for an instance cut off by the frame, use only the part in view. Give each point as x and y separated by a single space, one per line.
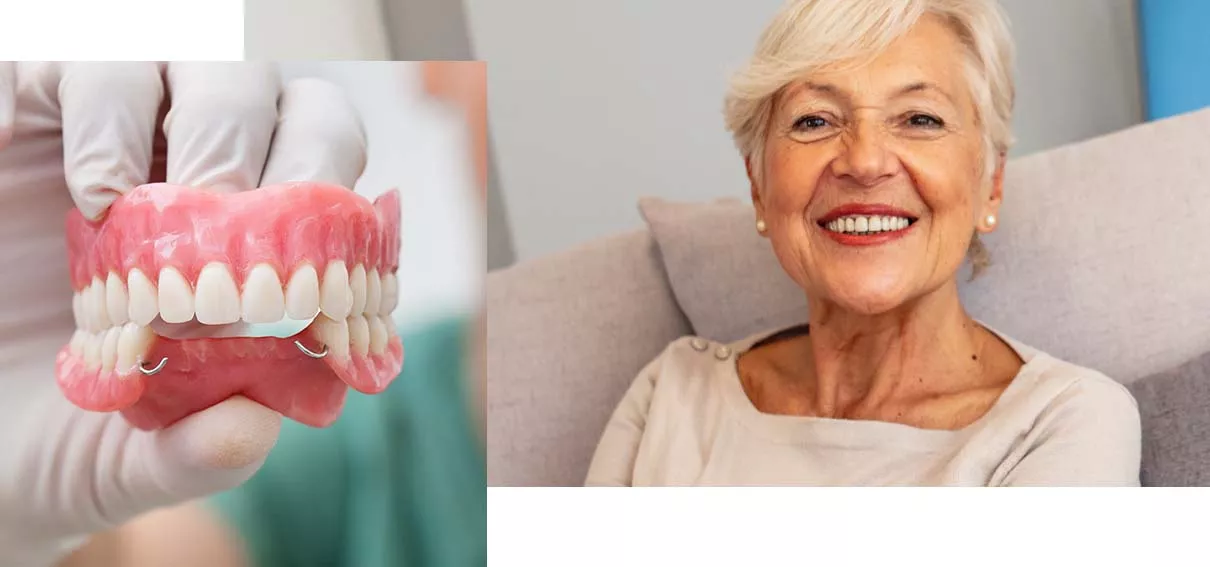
1102 258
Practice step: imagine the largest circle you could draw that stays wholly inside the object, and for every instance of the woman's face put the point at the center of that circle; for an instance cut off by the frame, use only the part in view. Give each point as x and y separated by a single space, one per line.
872 177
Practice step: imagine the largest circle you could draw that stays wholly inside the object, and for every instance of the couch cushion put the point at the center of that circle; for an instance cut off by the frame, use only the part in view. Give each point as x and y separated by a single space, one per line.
1175 409
1100 257
567 334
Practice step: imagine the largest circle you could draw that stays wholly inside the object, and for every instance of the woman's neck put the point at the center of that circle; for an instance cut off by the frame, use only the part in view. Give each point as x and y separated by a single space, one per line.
863 363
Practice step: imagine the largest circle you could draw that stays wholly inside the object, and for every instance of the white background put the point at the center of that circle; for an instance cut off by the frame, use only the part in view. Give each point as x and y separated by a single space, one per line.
594 104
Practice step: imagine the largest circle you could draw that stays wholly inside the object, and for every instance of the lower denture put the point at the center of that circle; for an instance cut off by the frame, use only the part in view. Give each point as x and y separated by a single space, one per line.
301 250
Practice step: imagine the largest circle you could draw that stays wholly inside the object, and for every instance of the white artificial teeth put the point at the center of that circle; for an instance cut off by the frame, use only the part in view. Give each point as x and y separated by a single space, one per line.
359 335
115 300
335 297
96 304
378 334
133 343
875 224
374 291
217 299
176 297
302 293
358 283
143 298
390 294
109 348
263 300
334 335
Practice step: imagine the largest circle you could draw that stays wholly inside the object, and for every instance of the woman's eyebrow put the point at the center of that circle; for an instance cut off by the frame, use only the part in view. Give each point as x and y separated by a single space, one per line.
831 90
923 86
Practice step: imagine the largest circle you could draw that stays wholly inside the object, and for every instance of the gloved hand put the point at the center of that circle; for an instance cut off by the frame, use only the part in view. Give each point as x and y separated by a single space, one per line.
87 133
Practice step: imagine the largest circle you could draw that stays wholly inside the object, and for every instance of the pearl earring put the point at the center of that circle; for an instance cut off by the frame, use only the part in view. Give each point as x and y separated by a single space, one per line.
991 221
760 225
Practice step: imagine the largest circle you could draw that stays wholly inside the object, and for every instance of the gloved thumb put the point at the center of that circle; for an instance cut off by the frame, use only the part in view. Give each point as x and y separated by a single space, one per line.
208 452
8 101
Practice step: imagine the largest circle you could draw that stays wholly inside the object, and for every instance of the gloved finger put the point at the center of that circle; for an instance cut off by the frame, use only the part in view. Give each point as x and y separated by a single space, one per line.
319 136
221 123
8 101
208 452
109 115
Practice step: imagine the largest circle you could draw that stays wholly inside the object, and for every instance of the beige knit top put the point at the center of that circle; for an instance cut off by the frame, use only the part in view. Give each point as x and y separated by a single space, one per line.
687 421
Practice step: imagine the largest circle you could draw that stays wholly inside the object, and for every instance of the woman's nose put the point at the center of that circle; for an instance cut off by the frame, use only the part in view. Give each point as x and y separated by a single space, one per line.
865 159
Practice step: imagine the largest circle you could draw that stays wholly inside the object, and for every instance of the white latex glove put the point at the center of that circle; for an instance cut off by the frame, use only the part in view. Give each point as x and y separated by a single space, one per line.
86 132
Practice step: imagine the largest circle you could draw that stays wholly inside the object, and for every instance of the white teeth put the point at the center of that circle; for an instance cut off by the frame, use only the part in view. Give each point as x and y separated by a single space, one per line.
373 293
217 300
176 297
334 335
115 300
94 304
133 343
390 294
143 298
302 293
263 300
77 308
92 351
378 334
335 297
109 348
359 335
77 341
358 283
862 224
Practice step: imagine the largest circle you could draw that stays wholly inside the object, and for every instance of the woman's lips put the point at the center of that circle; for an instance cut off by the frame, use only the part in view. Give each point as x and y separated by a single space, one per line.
867 225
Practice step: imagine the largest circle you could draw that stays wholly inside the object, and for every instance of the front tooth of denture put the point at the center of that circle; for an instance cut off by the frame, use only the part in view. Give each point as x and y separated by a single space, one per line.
373 293
175 298
96 305
142 297
115 300
133 343
92 351
334 335
217 298
302 293
390 294
359 335
378 334
335 298
358 283
263 300
109 348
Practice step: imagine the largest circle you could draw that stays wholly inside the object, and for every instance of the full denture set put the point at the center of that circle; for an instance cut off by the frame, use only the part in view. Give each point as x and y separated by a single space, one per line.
293 251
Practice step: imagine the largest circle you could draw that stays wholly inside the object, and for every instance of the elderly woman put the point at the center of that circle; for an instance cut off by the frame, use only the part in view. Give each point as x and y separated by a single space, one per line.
874 134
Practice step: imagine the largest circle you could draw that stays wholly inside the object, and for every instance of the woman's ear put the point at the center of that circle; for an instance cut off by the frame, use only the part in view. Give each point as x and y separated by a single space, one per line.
755 189
991 206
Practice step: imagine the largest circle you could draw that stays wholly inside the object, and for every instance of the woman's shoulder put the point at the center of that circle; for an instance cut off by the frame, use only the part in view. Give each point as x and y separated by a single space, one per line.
689 362
1070 392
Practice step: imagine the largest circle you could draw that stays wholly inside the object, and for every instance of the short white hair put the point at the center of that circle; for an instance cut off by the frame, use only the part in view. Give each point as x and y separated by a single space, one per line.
807 35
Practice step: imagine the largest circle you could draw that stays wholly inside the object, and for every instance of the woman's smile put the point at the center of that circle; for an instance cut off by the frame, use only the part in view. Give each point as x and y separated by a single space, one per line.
866 225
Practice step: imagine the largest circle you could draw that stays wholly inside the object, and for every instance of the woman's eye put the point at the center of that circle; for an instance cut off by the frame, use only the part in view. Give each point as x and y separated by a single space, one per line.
925 121
810 123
